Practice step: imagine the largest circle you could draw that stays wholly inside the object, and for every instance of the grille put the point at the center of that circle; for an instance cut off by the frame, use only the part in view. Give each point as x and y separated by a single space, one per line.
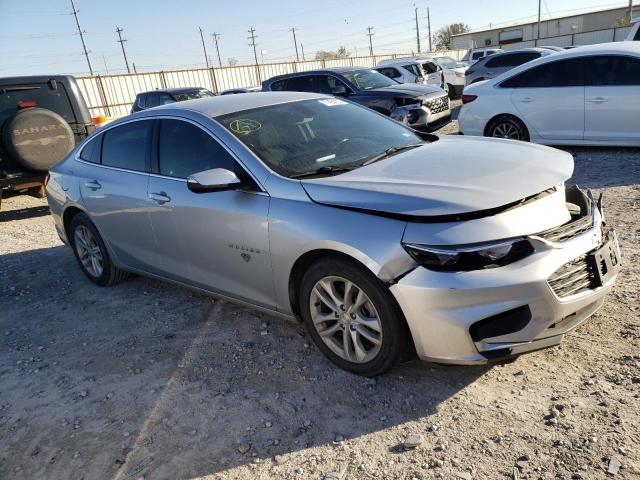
438 105
569 230
573 277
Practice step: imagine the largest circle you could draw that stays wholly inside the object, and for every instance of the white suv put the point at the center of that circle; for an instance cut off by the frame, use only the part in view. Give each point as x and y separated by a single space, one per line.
477 53
402 70
453 73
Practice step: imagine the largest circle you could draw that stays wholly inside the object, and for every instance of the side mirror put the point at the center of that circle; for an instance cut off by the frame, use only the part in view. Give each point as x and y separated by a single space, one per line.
339 90
214 180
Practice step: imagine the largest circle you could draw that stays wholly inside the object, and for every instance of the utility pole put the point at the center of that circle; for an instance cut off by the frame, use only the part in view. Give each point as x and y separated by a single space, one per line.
370 34
293 30
429 27
215 37
302 48
539 13
252 36
84 45
204 48
121 42
417 28
134 68
630 11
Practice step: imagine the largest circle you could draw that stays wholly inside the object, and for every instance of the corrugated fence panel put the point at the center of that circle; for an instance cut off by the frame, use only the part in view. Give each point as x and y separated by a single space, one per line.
232 77
621 33
589 38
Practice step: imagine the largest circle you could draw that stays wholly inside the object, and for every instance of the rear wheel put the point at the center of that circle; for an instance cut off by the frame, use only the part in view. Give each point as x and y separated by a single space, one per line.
352 317
508 127
91 252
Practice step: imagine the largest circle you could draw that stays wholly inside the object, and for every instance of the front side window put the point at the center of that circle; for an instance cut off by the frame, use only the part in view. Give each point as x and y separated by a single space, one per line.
192 95
185 149
305 136
152 100
412 68
612 70
368 79
562 73
278 86
165 99
389 72
127 146
430 67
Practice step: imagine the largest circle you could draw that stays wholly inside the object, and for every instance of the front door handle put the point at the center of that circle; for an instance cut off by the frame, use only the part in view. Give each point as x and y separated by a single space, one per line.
93 185
527 100
160 197
598 100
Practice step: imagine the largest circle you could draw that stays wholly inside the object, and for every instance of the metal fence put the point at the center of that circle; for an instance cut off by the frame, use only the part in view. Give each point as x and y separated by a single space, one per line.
112 95
584 38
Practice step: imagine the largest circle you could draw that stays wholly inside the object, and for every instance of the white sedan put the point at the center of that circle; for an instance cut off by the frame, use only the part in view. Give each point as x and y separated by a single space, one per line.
585 96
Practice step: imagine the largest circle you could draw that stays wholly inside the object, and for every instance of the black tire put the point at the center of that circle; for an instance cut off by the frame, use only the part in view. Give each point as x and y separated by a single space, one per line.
110 274
37 138
451 91
508 126
395 334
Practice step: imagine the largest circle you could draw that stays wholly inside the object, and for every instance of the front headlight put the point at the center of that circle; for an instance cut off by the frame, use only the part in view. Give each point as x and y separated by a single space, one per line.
465 258
460 74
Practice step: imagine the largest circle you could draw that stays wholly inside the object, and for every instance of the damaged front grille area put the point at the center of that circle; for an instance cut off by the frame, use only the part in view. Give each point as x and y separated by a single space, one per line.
573 277
569 230
438 105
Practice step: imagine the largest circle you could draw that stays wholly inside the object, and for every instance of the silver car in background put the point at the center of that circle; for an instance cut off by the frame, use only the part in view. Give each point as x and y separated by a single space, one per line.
494 65
385 242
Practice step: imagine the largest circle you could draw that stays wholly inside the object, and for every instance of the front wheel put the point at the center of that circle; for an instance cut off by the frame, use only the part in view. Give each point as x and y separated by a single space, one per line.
352 317
508 127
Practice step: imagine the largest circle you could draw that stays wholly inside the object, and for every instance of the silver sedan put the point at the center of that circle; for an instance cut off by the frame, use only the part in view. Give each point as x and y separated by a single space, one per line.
387 243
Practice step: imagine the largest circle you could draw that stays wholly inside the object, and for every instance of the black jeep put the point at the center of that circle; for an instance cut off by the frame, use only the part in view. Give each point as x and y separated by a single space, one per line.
41 120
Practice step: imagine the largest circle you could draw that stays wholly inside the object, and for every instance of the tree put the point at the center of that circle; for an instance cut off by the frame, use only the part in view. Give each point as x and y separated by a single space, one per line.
233 61
442 37
342 52
623 21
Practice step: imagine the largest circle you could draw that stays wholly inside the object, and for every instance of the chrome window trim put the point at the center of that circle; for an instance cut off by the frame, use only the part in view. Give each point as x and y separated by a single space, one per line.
157 175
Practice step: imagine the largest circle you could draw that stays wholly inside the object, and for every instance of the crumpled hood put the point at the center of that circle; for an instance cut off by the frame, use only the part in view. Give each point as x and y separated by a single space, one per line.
451 176
413 89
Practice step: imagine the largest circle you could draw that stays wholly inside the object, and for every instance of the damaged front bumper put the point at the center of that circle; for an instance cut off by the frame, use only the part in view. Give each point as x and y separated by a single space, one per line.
426 114
486 315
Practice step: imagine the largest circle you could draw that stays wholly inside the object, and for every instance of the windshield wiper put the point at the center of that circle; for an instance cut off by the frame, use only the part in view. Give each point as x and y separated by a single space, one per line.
390 151
328 169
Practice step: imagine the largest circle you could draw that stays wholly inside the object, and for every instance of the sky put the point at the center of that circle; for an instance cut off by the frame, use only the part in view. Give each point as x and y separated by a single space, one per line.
40 36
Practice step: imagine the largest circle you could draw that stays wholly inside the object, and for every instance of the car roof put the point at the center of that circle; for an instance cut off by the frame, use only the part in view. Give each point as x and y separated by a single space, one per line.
35 79
222 105
394 61
173 90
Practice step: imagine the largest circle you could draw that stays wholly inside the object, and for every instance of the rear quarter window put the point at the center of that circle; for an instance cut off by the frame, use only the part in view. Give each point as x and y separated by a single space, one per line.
44 96
91 151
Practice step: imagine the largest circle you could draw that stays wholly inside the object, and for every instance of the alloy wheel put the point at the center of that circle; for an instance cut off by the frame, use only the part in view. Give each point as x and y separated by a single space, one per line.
346 319
88 251
506 130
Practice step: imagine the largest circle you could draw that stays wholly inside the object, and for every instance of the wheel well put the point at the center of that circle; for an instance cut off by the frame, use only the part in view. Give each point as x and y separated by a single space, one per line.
502 115
67 216
305 261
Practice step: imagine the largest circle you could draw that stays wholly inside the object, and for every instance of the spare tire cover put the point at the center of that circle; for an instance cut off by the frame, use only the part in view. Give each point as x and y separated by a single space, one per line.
37 138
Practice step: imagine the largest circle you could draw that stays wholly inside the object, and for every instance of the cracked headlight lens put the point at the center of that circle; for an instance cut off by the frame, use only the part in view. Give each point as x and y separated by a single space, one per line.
465 258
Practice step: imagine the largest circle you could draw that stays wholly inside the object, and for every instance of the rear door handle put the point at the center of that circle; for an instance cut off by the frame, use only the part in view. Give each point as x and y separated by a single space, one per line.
527 100
160 197
93 185
598 100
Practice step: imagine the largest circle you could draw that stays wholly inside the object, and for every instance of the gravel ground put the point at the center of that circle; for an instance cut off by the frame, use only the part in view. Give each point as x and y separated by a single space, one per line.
149 380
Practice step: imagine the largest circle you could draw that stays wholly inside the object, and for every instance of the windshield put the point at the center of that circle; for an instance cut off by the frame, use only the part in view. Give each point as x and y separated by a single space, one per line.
192 95
327 133
446 62
368 79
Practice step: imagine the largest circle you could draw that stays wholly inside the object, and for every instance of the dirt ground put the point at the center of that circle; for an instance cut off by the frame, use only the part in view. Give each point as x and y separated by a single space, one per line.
147 380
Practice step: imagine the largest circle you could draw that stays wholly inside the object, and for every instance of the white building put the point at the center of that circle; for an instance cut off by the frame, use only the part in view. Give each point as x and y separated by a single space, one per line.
584 28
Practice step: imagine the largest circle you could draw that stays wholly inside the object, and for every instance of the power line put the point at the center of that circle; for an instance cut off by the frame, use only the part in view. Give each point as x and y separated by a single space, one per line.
121 42
417 28
293 30
204 48
370 34
84 45
215 37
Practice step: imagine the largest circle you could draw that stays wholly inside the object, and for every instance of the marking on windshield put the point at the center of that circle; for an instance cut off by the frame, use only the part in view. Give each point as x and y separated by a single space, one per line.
244 126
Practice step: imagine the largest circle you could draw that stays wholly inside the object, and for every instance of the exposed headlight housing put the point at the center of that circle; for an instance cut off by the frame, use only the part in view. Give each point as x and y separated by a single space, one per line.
405 101
468 258
460 74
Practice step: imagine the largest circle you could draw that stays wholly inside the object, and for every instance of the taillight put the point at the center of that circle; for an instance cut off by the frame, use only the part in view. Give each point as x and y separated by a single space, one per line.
46 179
468 98
27 104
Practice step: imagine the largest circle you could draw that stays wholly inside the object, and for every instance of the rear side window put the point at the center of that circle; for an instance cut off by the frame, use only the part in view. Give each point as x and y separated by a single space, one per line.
185 149
91 151
389 72
413 69
430 67
127 146
152 100
612 70
301 84
165 98
43 94
278 86
511 59
563 73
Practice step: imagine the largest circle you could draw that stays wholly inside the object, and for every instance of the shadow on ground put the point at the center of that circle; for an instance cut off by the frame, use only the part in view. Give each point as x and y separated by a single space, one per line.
24 213
149 378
